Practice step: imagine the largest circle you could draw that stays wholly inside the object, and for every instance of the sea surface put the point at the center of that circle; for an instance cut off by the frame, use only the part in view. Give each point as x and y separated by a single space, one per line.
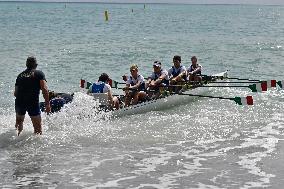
205 143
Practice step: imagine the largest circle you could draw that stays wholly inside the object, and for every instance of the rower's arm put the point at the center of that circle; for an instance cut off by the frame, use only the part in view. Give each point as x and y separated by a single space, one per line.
160 79
136 85
126 88
148 82
179 77
44 90
110 97
196 70
15 91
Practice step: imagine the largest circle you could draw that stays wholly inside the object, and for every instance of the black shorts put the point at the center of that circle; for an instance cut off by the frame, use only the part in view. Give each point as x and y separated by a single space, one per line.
33 110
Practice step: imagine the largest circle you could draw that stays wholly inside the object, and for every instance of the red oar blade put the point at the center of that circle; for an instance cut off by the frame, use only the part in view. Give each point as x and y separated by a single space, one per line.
258 87
249 100
84 84
271 83
244 100
263 86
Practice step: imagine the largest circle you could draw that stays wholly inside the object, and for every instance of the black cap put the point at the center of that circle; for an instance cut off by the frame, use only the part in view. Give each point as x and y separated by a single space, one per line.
31 62
157 64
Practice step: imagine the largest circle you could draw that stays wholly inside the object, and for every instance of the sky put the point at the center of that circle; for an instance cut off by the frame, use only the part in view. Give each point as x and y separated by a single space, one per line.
265 2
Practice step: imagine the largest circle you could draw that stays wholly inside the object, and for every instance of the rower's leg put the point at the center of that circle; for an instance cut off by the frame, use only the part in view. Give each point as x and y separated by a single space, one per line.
19 123
197 79
191 79
142 96
115 102
127 100
36 120
135 99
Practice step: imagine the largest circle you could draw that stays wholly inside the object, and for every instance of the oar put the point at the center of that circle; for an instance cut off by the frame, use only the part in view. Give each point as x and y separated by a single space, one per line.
210 77
213 81
258 87
239 100
270 83
85 84
114 83
242 79
248 100
118 95
280 83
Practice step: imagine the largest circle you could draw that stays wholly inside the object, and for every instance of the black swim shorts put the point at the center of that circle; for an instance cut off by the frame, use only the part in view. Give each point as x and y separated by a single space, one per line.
33 110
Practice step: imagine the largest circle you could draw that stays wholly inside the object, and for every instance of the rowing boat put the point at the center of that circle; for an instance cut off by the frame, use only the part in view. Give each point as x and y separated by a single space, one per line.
188 93
165 102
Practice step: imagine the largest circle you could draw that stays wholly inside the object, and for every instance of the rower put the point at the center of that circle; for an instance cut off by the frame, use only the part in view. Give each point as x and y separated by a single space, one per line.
177 72
135 87
102 91
158 79
57 101
194 71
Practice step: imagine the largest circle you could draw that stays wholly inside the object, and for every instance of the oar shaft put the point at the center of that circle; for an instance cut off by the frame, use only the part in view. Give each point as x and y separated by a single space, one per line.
223 86
120 88
210 77
242 79
193 86
118 95
206 96
209 81
120 83
239 100
234 81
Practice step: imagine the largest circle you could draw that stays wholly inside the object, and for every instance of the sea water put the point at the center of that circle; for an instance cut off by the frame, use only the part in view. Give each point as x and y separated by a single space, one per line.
205 143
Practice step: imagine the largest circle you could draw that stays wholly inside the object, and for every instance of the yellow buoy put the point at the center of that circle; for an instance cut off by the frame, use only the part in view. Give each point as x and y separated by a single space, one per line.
106 15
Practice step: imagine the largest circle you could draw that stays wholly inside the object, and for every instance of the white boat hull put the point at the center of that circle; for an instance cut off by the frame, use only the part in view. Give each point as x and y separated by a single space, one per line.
163 103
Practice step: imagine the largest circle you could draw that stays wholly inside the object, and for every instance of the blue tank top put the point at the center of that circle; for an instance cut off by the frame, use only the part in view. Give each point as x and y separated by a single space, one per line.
98 88
176 73
56 104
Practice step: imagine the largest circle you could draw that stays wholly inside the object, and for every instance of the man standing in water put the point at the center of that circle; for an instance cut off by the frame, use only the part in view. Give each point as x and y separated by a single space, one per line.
27 88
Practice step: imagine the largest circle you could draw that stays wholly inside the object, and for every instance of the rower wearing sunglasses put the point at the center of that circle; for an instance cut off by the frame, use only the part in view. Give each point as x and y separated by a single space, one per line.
135 87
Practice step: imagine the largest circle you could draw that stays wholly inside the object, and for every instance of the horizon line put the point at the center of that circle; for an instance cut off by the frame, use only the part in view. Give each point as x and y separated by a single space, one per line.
99 2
